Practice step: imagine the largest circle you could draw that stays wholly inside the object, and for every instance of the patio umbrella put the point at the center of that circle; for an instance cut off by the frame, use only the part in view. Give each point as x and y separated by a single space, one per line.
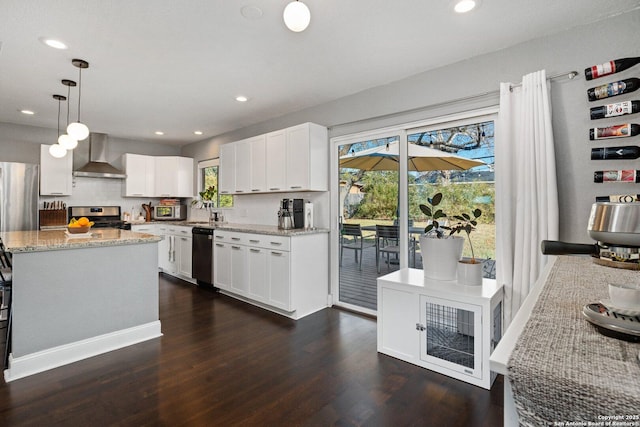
385 158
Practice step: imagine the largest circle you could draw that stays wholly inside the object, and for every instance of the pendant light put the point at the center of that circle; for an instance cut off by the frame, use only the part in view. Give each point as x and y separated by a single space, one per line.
65 140
79 130
296 16
57 150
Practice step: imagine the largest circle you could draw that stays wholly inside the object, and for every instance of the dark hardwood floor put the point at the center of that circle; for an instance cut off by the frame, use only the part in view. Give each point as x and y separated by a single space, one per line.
222 362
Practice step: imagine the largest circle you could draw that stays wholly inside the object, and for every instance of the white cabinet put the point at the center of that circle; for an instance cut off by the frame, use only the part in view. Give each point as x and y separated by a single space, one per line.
258 164
291 159
227 175
175 250
442 326
276 161
288 275
173 177
243 167
56 175
140 170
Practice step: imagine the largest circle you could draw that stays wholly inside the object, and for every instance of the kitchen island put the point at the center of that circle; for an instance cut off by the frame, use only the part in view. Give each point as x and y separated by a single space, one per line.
77 297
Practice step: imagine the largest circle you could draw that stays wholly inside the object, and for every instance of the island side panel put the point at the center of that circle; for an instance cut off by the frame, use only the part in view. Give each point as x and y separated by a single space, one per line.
63 296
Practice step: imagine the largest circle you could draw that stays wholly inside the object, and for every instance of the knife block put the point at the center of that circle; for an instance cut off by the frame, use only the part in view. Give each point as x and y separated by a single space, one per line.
51 217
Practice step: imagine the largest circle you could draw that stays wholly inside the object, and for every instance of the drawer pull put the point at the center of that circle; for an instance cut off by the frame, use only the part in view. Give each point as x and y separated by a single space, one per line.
276 243
276 253
296 186
220 245
254 241
235 238
255 189
274 189
235 247
255 250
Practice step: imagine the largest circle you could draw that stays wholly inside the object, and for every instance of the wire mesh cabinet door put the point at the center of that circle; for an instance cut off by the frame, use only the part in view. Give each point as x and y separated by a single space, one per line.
451 335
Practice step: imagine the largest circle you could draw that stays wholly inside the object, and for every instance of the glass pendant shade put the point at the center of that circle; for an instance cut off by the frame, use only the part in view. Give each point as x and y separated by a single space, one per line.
297 16
57 151
67 142
78 131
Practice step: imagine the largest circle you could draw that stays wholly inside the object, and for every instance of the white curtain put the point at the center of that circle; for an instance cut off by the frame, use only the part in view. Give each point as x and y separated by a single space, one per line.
526 187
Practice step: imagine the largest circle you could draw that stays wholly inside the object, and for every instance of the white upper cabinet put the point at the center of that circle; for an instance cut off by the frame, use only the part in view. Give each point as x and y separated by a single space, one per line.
292 159
227 173
276 161
258 164
174 176
56 175
307 158
243 166
140 170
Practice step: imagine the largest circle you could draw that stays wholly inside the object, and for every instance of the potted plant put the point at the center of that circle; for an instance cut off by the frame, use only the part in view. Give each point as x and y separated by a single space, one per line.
440 252
206 197
469 269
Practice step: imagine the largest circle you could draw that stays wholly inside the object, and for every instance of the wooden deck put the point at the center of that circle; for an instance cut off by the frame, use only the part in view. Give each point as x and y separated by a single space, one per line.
358 287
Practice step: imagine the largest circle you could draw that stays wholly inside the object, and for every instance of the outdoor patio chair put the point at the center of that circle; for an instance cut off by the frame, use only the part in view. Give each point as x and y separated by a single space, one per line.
386 243
351 238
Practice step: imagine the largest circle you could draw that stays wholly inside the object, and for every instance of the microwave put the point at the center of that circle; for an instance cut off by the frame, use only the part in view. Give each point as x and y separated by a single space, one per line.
177 212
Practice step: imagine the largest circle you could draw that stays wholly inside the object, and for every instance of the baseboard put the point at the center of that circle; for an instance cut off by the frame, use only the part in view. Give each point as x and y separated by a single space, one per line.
34 363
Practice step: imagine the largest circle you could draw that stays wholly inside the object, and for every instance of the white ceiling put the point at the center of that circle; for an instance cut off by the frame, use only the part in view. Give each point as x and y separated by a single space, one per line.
177 65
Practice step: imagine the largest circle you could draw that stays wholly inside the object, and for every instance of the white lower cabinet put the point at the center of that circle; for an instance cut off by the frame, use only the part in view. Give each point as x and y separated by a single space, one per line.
175 250
448 328
288 275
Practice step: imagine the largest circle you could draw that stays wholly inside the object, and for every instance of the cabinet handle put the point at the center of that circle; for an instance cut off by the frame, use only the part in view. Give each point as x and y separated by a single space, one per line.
276 253
224 192
420 327
235 247
235 238
185 232
296 186
276 243
55 193
255 250
183 239
239 191
254 241
219 237
255 189
274 189
220 245
136 194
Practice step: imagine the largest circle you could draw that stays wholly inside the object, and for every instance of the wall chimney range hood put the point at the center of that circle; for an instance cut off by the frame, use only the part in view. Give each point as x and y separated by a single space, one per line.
98 167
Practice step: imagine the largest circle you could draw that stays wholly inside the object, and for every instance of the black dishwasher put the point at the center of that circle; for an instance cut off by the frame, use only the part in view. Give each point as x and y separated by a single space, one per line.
202 260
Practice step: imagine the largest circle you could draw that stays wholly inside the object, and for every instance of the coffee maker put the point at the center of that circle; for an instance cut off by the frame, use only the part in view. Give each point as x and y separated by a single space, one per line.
298 213
285 215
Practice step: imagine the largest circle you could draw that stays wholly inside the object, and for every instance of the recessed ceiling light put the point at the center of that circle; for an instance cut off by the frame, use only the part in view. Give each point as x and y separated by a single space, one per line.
251 12
241 98
56 44
197 132
159 132
27 112
463 6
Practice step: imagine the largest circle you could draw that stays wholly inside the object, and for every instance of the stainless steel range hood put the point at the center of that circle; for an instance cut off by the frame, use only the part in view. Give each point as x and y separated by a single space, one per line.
98 167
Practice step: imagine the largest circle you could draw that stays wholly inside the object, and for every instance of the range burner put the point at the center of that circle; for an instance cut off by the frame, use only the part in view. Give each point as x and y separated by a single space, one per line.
102 216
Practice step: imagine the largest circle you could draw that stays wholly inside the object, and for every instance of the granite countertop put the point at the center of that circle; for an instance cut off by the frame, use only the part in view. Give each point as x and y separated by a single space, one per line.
245 228
50 240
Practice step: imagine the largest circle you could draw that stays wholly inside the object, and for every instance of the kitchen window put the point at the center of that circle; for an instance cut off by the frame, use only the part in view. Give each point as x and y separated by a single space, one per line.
208 173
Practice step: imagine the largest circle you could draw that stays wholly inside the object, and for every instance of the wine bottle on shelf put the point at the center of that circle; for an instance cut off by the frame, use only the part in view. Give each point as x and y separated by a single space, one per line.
628 175
617 131
610 67
613 89
619 198
629 152
617 109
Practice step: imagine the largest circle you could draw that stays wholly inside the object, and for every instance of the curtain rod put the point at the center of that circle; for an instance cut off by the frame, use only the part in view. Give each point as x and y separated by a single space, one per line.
569 74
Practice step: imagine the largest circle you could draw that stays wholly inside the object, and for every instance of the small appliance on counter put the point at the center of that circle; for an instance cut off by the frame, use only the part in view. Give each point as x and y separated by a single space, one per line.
308 215
285 215
169 213
298 213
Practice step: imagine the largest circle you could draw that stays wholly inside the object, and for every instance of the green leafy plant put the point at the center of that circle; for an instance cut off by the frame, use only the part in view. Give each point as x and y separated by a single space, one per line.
467 222
433 214
208 195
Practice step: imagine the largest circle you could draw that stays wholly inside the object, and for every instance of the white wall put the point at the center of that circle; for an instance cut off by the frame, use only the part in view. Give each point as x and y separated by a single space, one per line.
574 49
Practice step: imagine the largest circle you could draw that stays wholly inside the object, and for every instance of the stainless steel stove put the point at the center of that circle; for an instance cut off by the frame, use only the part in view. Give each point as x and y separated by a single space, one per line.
102 216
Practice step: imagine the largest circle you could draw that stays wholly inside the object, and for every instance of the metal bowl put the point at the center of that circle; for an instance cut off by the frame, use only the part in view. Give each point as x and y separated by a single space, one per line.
615 223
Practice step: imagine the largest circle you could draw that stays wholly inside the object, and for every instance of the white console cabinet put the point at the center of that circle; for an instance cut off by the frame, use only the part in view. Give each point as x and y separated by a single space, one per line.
285 274
448 328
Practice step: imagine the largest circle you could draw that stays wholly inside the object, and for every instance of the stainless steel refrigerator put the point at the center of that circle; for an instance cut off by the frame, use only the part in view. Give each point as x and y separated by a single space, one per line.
18 196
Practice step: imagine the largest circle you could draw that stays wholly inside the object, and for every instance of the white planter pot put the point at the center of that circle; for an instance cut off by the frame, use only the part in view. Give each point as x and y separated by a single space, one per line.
440 256
468 273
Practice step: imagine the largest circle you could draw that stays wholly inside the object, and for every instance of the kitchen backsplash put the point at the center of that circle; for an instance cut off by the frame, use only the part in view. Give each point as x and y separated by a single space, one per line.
100 192
263 208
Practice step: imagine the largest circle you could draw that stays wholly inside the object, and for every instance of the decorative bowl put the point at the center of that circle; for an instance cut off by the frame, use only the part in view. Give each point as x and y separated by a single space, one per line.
78 230
625 295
